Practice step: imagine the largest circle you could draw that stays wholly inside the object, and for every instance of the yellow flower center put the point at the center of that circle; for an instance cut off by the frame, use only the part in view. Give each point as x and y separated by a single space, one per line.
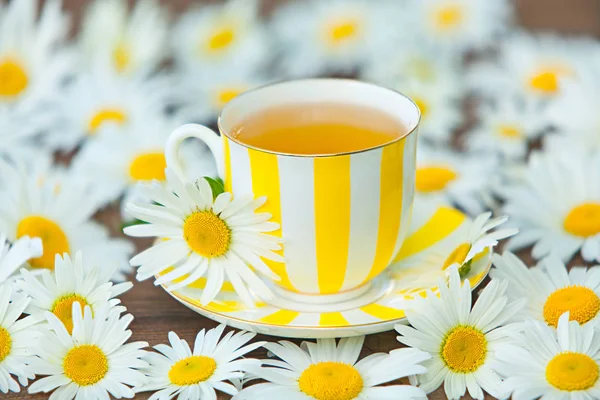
85 365
583 220
221 39
224 96
449 17
331 381
63 309
207 234
148 166
106 115
546 82
423 106
464 349
572 371
458 255
13 78
581 302
421 69
342 31
192 370
509 131
53 239
434 178
121 57
5 344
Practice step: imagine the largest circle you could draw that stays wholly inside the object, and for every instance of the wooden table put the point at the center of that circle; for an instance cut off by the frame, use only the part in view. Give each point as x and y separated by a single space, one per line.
156 313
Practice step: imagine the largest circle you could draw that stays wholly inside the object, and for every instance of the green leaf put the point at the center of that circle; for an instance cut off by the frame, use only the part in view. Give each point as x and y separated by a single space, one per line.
464 270
125 224
216 185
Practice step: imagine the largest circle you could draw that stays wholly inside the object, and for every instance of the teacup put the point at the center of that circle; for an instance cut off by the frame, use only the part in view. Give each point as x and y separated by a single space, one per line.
343 216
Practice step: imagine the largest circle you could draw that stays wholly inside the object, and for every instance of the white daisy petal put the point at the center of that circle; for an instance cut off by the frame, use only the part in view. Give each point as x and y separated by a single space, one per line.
179 373
202 236
327 369
533 374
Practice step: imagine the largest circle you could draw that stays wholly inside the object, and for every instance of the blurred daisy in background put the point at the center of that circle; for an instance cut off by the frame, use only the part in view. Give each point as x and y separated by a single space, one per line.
459 25
34 61
505 128
440 107
100 98
415 61
18 135
61 217
221 39
45 172
133 42
14 256
317 37
446 177
93 361
17 338
431 78
220 238
464 243
463 341
544 363
574 113
330 370
70 282
551 289
116 161
214 362
556 205
201 98
533 67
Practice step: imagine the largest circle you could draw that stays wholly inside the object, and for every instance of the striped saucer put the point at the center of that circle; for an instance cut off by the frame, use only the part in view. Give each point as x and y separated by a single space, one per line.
434 237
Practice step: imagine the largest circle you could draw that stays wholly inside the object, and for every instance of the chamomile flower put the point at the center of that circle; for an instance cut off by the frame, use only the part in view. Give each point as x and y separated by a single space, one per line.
549 364
16 338
34 60
91 362
459 25
101 98
220 39
532 67
330 36
431 78
325 370
422 62
203 98
60 216
445 177
12 257
117 162
573 113
556 204
463 341
439 104
131 43
70 282
506 128
551 289
468 247
218 238
179 371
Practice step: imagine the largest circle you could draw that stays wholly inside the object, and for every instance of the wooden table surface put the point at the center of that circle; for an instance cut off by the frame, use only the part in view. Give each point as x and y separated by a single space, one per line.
156 313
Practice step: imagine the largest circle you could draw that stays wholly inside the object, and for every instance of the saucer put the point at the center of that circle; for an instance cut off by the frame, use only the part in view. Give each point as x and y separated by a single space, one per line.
435 235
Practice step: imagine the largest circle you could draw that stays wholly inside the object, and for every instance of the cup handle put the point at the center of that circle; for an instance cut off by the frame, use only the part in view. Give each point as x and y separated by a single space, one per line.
206 135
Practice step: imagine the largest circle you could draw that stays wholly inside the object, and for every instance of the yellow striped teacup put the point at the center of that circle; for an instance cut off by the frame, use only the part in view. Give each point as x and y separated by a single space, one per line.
343 217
